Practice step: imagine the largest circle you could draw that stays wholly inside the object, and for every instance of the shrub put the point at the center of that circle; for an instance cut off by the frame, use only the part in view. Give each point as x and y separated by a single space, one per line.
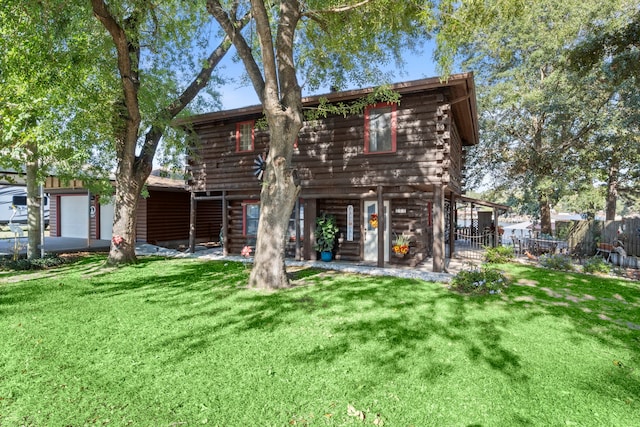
596 265
499 254
556 262
32 264
480 281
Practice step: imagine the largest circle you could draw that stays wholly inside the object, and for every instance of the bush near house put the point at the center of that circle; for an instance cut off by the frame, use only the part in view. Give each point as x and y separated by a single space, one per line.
556 262
499 254
596 265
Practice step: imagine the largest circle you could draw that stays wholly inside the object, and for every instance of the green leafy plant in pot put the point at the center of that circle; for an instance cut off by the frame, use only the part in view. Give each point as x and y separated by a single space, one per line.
326 235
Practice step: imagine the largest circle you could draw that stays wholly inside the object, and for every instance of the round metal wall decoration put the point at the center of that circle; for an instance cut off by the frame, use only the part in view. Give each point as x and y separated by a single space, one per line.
259 164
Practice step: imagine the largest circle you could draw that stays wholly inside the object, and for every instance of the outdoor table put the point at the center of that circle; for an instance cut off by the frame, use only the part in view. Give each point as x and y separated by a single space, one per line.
542 246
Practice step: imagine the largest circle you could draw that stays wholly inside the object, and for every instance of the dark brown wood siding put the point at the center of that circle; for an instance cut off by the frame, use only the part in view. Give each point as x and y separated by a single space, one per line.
209 220
412 218
335 171
331 153
167 216
218 166
236 240
409 216
456 161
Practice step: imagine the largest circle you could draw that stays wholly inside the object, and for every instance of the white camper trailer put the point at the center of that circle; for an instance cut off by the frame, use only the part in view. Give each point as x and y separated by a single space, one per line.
14 196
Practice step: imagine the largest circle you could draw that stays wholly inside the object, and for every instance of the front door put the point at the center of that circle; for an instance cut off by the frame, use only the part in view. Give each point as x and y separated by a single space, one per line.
371 232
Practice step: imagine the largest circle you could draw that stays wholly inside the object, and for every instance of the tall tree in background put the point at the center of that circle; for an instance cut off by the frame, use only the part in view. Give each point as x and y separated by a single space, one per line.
611 50
611 45
610 155
327 38
50 94
533 112
154 44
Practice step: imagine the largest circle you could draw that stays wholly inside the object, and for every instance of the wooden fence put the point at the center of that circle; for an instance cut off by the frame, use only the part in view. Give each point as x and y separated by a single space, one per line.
583 236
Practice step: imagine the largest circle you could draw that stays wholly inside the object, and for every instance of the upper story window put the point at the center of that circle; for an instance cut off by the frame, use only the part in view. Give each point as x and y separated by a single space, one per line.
244 136
380 128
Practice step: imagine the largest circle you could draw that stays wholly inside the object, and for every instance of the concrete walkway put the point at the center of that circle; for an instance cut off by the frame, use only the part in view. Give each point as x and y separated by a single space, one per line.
66 244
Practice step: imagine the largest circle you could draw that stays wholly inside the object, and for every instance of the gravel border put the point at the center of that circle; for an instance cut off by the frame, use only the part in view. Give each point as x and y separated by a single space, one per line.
146 249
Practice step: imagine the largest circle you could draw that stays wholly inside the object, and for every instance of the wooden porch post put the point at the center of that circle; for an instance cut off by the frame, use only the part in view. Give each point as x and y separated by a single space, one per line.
381 227
309 229
453 222
297 228
192 223
225 225
438 229
496 230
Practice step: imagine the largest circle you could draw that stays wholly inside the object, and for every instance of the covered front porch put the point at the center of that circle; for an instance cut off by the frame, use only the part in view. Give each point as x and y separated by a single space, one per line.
428 219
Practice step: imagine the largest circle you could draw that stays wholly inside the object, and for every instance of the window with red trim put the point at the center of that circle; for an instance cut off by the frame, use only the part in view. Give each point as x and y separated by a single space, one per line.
250 218
245 136
380 128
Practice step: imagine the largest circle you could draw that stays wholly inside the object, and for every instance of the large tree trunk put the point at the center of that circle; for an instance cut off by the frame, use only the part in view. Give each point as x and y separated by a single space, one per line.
612 190
281 98
133 170
277 199
545 214
34 213
123 243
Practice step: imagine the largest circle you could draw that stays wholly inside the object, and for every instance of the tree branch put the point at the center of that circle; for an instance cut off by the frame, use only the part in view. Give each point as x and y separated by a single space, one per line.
269 65
124 48
244 50
338 9
154 134
289 88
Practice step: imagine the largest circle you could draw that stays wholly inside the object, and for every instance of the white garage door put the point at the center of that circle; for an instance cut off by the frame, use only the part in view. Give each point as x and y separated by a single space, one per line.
74 216
106 221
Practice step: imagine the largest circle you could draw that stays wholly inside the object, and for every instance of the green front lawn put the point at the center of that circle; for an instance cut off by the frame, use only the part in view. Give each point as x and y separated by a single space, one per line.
182 343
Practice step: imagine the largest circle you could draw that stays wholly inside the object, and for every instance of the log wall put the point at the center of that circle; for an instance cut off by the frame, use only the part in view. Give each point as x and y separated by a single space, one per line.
330 152
409 216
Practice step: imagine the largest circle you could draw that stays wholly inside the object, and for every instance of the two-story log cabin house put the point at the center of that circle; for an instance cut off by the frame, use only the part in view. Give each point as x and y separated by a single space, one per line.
402 163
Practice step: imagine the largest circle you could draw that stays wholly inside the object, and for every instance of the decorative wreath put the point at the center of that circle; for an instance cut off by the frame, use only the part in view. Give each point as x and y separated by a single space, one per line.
373 220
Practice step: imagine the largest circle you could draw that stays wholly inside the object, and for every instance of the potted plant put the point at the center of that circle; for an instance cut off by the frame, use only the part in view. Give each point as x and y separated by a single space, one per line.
400 246
326 235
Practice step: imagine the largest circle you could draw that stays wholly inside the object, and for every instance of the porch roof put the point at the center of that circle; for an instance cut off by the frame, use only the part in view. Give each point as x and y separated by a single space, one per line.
498 206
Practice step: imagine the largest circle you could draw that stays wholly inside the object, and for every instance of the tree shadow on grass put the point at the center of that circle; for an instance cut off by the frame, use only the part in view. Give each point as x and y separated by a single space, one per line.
384 320
388 320
21 287
607 309
377 324
597 308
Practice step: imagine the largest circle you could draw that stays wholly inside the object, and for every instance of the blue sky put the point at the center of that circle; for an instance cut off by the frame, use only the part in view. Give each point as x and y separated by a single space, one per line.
236 95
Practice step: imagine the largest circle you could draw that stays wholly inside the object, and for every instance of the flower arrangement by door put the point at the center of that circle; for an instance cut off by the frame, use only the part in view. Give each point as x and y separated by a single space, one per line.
400 245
